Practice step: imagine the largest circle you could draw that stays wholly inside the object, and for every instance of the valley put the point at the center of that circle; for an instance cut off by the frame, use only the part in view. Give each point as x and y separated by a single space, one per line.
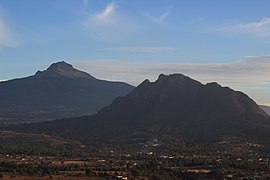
173 128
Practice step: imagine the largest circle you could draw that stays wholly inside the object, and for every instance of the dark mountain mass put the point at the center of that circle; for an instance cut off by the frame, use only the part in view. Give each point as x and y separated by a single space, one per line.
61 91
175 108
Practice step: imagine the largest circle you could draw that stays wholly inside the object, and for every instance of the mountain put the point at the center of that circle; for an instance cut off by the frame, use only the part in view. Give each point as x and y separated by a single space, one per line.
266 109
61 91
175 108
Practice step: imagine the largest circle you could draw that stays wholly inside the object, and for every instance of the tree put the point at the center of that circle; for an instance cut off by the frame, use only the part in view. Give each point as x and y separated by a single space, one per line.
89 172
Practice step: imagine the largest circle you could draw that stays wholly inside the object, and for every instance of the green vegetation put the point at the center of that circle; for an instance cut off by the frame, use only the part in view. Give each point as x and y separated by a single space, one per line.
36 144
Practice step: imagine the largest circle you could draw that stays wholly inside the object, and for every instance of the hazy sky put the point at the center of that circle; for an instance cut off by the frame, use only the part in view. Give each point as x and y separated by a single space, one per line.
130 40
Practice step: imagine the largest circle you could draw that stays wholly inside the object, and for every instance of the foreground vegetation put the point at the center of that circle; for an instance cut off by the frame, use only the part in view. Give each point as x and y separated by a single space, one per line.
32 156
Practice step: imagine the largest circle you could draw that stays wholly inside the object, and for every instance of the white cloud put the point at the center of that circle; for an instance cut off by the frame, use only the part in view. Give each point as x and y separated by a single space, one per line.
159 19
265 104
145 49
6 39
251 71
260 28
106 16
250 75
107 24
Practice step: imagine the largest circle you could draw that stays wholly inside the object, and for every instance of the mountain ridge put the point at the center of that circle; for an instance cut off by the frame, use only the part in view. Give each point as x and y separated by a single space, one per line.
173 107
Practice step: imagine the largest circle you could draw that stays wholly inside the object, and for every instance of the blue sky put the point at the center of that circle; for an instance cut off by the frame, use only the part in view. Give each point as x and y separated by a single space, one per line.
224 41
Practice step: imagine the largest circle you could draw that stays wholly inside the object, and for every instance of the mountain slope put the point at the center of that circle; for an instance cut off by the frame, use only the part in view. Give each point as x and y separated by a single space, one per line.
266 109
58 92
173 108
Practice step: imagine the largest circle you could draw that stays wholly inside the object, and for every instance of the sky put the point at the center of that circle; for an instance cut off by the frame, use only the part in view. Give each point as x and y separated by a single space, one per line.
124 40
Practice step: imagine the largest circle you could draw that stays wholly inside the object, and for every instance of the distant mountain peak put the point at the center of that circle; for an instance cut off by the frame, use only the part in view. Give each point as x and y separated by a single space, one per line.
61 65
63 69
59 91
